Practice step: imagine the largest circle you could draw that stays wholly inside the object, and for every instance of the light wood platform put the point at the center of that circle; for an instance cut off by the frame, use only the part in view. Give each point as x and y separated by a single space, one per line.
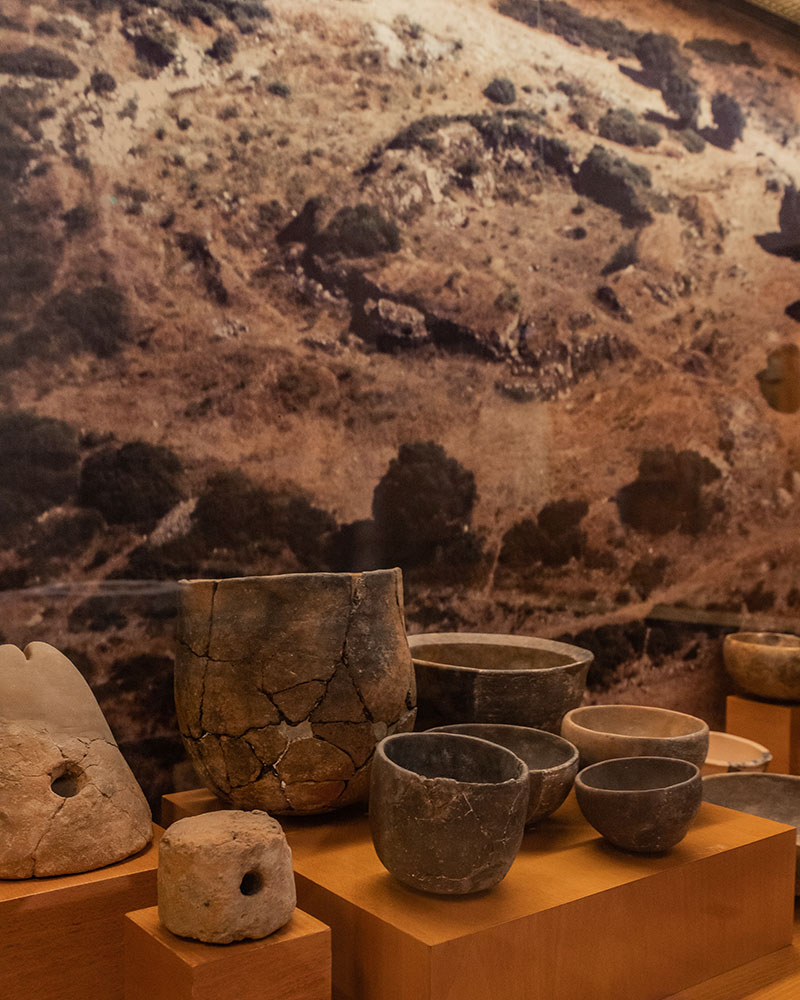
294 963
61 938
775 725
574 918
179 805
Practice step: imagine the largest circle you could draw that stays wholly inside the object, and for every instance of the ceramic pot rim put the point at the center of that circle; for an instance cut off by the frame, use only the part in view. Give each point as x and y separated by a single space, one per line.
693 776
763 757
380 750
786 640
579 657
554 737
394 570
701 730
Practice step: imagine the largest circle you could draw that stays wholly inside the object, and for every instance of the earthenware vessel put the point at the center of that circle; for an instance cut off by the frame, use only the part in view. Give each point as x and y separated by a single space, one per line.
552 761
284 684
447 812
727 752
602 732
772 796
766 664
642 804
511 679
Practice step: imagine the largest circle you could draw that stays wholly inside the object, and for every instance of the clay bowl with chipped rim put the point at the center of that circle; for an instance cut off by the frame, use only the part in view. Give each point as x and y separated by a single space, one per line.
603 732
766 664
507 679
446 811
727 752
641 804
552 761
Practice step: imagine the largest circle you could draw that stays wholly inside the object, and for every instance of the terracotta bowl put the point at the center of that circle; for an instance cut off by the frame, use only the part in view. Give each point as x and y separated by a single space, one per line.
727 752
602 732
766 664
642 804
447 812
509 679
772 796
552 761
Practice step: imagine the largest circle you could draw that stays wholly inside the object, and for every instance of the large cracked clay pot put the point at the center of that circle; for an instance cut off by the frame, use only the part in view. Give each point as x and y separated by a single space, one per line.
284 685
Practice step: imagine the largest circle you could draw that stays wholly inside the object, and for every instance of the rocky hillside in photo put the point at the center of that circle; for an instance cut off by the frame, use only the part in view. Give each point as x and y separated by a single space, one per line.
506 294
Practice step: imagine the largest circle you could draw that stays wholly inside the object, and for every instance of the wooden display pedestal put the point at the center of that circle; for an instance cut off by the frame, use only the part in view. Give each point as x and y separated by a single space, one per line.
574 918
294 963
775 725
179 805
61 938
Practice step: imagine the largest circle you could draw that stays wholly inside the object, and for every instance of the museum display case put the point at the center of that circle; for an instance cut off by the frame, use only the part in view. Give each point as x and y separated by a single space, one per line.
375 368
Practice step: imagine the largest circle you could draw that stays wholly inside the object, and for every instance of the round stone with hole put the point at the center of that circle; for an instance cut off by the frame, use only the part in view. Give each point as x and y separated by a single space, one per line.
225 876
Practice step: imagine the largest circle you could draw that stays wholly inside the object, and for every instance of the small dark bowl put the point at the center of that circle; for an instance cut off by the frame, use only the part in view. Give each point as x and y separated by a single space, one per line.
642 804
552 761
515 680
447 812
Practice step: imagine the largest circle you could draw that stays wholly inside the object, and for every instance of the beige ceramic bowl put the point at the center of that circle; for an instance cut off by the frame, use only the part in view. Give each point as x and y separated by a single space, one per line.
603 732
766 664
727 752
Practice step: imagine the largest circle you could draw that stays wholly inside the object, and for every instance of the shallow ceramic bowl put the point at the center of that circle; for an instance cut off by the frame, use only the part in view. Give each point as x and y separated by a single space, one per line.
552 761
447 812
642 804
509 679
727 752
771 796
766 664
602 732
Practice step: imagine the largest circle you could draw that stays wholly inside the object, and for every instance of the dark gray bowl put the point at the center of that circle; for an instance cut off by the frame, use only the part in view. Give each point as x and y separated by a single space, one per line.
514 680
552 762
447 812
771 796
642 804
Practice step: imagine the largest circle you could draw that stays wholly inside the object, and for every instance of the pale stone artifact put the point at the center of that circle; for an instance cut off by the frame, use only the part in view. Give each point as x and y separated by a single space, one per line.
641 804
766 664
447 812
772 796
552 761
225 876
511 679
727 752
284 684
68 801
602 732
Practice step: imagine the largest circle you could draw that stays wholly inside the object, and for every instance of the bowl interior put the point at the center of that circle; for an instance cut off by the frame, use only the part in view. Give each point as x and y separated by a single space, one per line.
773 639
636 774
771 796
541 751
447 755
636 720
729 749
488 656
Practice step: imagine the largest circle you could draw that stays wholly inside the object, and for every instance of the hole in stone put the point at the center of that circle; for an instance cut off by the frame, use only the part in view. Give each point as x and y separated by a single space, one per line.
251 883
68 783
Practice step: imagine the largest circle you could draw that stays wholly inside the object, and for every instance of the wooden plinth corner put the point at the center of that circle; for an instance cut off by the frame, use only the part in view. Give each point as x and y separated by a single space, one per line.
294 963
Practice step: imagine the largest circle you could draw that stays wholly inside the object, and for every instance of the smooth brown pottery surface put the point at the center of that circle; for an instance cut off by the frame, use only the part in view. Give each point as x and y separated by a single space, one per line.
772 796
766 664
641 804
447 812
552 761
507 679
603 732
284 684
